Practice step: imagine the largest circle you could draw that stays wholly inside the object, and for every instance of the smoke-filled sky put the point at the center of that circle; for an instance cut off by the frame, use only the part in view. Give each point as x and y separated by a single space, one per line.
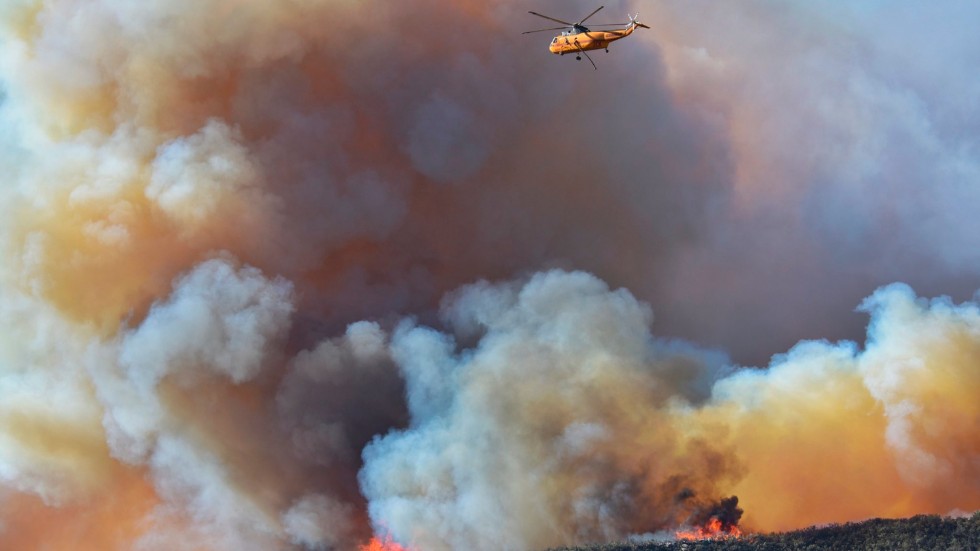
288 275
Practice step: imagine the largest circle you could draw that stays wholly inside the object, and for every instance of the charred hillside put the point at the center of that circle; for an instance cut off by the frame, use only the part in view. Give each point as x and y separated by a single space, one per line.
923 532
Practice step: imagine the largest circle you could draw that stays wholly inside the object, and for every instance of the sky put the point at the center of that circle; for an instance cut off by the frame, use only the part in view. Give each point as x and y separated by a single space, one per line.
298 275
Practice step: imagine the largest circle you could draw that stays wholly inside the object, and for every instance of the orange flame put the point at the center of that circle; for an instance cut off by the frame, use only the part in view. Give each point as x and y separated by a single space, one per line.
383 544
712 531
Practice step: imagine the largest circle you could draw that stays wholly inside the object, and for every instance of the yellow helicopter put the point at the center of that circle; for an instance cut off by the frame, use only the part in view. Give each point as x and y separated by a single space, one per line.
578 39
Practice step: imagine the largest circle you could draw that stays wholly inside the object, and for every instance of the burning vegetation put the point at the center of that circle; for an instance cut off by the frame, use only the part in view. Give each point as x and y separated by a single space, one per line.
717 521
714 529
261 289
922 533
383 543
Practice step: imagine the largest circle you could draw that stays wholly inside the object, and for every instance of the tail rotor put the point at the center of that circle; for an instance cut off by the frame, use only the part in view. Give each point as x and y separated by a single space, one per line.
635 21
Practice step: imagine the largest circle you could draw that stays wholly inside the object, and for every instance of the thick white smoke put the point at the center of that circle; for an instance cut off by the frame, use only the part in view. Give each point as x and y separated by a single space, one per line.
226 228
554 427
565 420
219 323
52 444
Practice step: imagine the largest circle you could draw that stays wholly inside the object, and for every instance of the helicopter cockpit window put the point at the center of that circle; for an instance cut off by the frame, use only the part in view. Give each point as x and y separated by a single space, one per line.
553 40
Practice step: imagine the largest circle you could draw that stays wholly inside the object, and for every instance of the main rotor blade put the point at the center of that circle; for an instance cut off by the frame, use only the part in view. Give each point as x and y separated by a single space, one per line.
590 15
542 30
552 19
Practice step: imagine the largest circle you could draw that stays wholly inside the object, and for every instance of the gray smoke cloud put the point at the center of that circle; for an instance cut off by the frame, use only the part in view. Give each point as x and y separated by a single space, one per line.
566 420
856 157
239 243
554 427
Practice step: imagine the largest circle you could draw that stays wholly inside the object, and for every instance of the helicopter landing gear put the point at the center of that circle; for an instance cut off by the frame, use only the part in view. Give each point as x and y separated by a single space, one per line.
582 52
607 50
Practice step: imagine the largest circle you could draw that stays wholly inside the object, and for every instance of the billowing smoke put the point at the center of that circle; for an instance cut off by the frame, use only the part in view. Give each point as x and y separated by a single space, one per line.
567 420
557 425
291 275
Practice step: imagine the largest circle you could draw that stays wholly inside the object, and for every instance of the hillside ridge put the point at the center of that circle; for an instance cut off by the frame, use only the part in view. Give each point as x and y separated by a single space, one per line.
919 533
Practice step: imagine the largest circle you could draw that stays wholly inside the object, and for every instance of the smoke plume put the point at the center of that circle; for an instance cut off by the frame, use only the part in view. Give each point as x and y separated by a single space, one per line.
294 275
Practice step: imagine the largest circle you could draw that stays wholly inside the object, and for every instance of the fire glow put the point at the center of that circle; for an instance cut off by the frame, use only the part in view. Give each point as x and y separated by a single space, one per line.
261 289
714 529
383 544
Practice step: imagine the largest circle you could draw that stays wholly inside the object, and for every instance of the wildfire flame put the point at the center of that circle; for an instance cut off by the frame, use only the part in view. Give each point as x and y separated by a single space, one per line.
383 544
714 529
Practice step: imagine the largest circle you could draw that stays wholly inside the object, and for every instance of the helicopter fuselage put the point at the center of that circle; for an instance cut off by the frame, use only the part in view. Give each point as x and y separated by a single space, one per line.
568 43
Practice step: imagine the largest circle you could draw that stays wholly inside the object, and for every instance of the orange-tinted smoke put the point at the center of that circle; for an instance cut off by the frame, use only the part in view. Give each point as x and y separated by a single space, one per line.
204 196
111 517
567 411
